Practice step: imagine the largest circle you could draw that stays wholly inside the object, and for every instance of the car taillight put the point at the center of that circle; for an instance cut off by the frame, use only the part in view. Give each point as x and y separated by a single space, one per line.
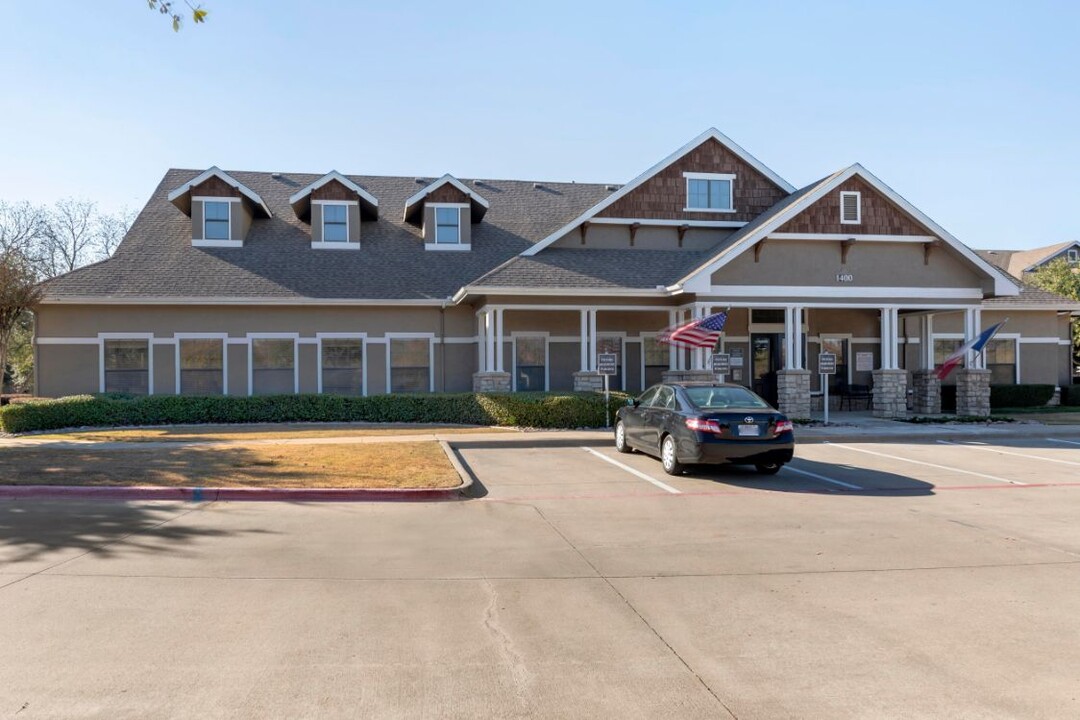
703 425
784 426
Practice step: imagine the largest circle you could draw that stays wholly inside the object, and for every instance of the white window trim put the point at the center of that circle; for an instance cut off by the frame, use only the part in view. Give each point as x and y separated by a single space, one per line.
204 241
148 337
348 225
223 337
391 336
218 243
362 337
688 176
432 244
858 207
251 337
514 335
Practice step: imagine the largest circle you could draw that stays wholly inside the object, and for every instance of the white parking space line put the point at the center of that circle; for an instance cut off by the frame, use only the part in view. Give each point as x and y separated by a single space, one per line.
988 448
928 464
1067 442
822 478
632 471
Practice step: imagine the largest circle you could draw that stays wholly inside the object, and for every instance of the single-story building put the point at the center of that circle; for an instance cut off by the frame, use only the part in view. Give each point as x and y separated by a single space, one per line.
244 283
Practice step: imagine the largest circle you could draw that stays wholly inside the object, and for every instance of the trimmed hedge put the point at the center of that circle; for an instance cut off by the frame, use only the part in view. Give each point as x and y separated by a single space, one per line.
1004 396
1018 396
538 410
1070 395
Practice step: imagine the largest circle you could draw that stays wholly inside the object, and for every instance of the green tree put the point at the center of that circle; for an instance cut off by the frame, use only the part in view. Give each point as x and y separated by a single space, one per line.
1062 278
20 292
167 7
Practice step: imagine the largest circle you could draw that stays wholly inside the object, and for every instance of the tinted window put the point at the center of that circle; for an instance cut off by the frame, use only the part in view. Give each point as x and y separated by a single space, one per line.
335 223
665 398
716 398
646 397
447 225
215 220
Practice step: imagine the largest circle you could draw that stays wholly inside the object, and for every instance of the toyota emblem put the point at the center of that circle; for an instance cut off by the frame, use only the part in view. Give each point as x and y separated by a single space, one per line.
748 419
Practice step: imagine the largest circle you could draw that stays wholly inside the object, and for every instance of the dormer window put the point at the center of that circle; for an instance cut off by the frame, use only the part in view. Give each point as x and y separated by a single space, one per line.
710 192
216 220
850 208
335 206
447 225
335 223
221 208
445 211
1074 256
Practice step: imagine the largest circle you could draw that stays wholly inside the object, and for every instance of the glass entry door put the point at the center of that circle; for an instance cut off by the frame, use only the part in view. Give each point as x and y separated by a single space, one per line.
766 359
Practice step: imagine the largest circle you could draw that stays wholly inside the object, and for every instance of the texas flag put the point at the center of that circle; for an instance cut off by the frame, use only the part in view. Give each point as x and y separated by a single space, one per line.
976 344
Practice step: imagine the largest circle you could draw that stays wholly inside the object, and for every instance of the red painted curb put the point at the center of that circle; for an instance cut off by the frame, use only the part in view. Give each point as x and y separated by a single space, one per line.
195 494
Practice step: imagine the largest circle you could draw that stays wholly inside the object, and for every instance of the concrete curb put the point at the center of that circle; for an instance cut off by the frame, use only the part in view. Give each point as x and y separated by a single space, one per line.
198 494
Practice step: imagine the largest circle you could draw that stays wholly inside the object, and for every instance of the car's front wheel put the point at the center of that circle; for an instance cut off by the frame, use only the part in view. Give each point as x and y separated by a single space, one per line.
768 468
668 458
620 438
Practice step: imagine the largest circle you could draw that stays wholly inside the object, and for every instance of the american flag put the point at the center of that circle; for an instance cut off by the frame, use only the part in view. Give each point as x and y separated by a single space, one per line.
701 333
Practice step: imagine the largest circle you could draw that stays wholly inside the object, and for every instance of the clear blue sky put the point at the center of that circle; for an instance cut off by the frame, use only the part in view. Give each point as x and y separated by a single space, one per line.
968 109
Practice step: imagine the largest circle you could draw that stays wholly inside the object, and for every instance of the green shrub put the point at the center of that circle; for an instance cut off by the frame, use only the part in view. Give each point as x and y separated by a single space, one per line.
538 410
1070 395
1017 396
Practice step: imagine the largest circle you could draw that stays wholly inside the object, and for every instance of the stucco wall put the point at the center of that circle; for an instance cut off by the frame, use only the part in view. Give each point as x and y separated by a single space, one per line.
871 264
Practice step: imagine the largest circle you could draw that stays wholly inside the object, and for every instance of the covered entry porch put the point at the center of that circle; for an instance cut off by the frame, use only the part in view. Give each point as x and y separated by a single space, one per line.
774 347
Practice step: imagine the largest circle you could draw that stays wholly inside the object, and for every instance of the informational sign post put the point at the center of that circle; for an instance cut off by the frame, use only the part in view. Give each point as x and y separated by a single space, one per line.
826 366
607 364
721 365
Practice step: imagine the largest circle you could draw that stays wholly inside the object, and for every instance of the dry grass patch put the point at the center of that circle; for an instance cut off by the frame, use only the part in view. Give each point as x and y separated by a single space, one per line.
389 465
211 433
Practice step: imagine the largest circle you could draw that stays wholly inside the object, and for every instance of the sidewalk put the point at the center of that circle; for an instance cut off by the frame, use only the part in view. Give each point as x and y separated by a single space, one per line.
850 427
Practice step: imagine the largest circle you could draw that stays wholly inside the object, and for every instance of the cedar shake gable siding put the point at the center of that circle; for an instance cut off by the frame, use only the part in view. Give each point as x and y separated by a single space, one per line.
663 196
879 216
446 194
333 190
214 186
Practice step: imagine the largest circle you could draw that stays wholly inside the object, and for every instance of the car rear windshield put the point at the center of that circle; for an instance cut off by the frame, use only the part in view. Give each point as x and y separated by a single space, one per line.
716 398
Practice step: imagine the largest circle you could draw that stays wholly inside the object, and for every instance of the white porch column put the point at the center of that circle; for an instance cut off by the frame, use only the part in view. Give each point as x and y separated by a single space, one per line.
927 340
796 338
789 352
894 338
592 340
489 337
697 355
889 344
584 340
673 356
980 358
481 343
970 330
499 350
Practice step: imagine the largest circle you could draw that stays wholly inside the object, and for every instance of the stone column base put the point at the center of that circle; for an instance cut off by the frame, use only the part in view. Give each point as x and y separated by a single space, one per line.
793 393
491 382
973 392
927 400
588 381
681 376
890 393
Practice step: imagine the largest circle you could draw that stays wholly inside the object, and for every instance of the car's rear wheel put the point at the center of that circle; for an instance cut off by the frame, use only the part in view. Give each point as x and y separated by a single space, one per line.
768 468
668 458
620 438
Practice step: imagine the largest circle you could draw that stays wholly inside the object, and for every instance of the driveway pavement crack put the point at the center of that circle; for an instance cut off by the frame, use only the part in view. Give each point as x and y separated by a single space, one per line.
518 671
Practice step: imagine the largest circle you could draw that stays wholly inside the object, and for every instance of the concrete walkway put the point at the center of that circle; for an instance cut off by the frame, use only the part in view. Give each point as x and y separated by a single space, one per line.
851 427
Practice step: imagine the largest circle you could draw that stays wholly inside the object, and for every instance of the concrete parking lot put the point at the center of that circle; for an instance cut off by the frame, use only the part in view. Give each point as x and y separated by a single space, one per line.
864 581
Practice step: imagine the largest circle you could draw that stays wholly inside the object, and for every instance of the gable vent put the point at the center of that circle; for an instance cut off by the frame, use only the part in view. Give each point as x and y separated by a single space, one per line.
850 208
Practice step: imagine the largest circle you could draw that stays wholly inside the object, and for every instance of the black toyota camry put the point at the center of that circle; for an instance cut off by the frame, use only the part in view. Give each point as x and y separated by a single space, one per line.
686 424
